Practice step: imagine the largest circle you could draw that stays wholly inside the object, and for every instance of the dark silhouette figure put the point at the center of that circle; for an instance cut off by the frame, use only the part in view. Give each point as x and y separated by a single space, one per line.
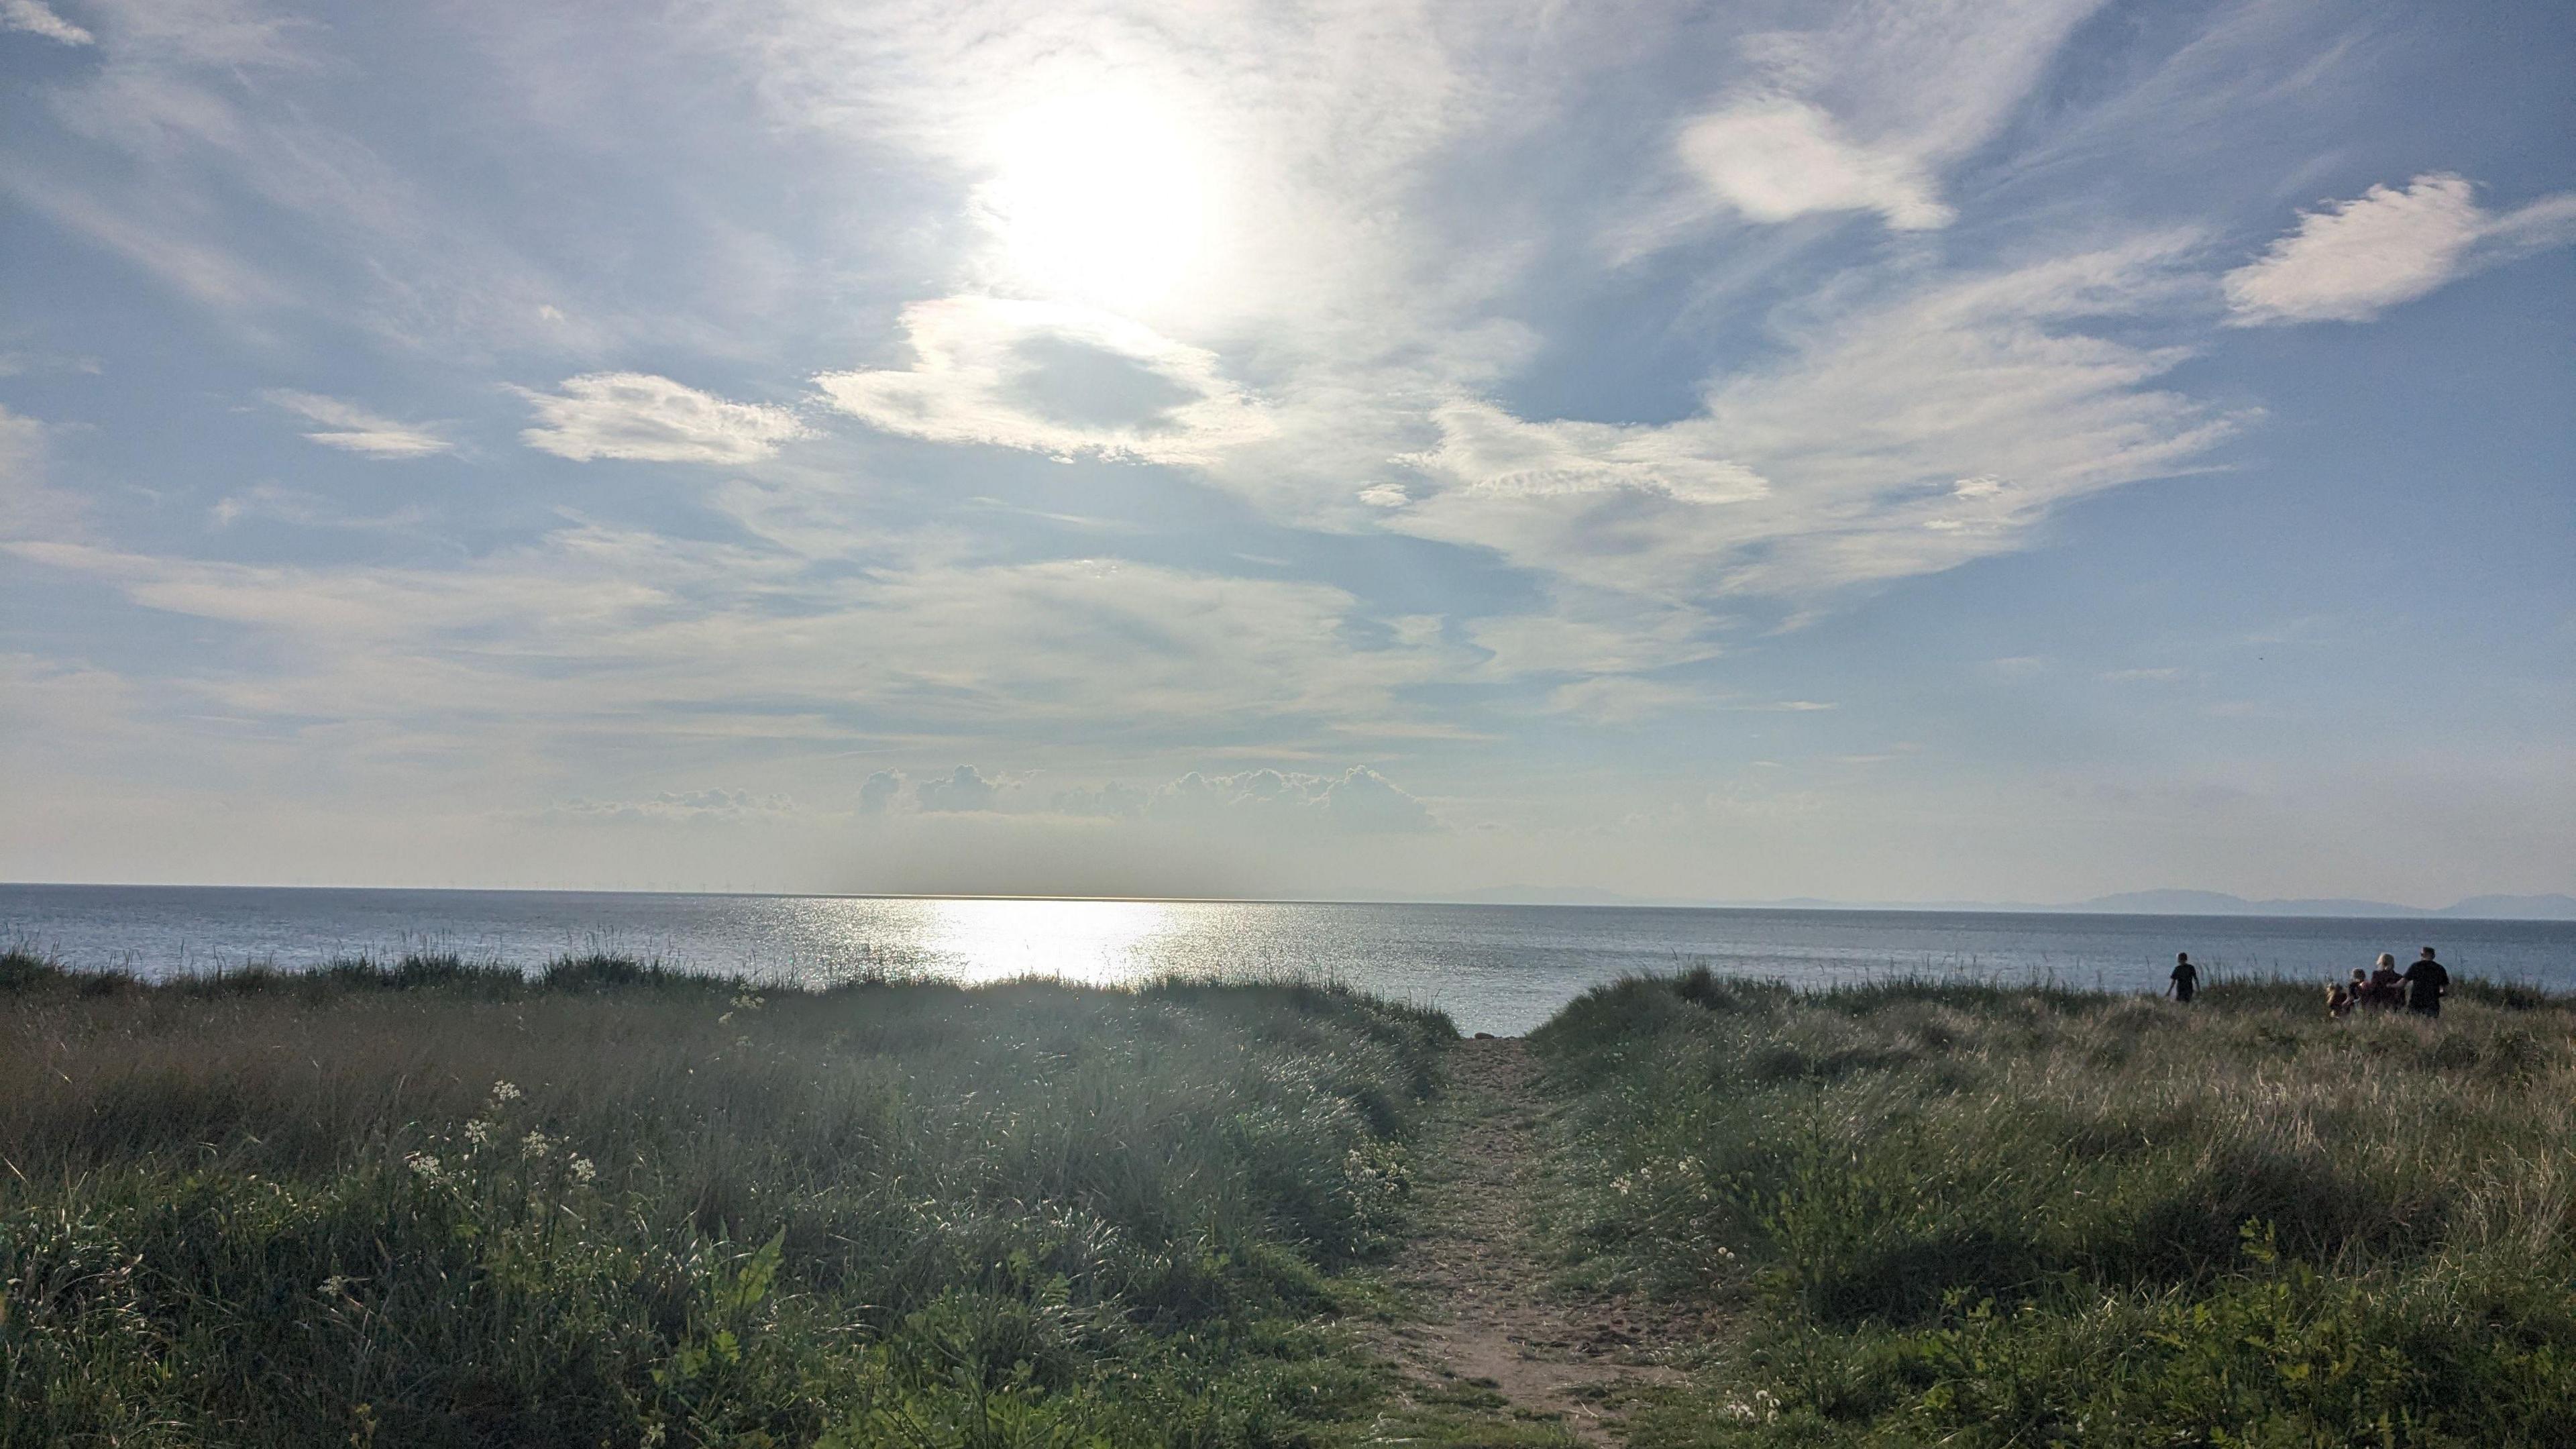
2426 984
2339 999
2387 988
2186 977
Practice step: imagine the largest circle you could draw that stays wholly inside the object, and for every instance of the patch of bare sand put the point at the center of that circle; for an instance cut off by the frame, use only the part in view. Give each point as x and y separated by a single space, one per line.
1475 1272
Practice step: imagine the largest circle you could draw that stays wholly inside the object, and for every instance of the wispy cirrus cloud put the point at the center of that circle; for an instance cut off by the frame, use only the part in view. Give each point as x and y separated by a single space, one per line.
2350 261
35 18
643 418
1901 437
1858 114
353 429
687 638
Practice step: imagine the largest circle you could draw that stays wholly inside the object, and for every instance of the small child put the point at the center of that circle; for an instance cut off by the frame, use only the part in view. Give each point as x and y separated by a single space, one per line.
2338 999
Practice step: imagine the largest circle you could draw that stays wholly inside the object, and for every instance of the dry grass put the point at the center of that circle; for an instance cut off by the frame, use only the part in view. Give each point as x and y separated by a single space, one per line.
1985 1215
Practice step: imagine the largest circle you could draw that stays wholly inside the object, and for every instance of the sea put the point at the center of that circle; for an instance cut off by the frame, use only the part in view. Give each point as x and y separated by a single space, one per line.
1497 968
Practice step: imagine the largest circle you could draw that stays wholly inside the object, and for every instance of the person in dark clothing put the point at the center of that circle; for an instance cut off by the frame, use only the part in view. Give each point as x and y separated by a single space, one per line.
2186 977
2387 988
2426 984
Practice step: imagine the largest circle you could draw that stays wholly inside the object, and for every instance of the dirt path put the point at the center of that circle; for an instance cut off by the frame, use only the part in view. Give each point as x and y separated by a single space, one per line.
1478 1278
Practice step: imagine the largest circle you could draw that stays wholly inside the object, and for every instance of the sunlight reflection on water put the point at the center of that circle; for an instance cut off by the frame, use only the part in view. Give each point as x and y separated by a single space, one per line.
1492 968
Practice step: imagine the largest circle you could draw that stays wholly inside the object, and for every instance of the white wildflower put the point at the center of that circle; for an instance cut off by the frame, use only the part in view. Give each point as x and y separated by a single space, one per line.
335 1285
423 1166
1762 1408
504 1092
582 1170
478 1132
534 1144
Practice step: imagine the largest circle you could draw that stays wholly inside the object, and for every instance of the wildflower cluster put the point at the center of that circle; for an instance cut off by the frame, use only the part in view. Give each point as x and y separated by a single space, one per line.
1761 1407
1681 1175
1378 1180
481 1153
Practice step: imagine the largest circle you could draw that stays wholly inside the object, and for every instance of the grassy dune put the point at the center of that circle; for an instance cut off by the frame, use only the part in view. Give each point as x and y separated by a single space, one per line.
436 1204
1984 1216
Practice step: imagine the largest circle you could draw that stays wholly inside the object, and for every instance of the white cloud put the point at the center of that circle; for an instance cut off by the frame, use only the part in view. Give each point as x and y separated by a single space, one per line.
1490 452
1940 424
1582 634
353 429
2349 261
650 419
593 628
879 791
1780 159
1858 114
33 17
686 807
966 788
1051 378
306 509
1620 698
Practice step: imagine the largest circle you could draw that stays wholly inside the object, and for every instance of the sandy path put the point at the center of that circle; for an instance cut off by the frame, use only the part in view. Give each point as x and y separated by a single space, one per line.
1478 1278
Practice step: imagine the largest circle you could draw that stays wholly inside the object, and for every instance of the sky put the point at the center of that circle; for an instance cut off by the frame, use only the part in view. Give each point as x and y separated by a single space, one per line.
2023 449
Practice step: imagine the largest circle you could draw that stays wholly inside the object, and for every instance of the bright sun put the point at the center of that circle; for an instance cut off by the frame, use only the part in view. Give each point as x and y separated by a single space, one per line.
1100 197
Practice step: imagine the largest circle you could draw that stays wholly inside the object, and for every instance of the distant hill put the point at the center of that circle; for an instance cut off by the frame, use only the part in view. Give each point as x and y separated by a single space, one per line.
2516 908
2218 903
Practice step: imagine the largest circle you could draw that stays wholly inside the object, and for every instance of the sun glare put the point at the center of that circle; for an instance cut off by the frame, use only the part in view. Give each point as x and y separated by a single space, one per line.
1101 197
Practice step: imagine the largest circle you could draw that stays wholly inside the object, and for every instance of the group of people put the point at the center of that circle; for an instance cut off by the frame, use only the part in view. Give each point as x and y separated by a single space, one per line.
2419 988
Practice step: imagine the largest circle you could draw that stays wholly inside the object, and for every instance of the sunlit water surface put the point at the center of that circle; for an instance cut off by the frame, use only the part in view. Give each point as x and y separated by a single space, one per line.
1492 968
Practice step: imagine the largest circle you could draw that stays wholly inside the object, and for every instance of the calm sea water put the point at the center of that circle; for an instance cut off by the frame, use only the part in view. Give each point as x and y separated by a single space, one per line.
1492 968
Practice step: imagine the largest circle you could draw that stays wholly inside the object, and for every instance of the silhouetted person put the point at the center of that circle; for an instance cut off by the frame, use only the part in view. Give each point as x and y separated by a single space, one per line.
2426 984
2339 999
2186 977
2387 988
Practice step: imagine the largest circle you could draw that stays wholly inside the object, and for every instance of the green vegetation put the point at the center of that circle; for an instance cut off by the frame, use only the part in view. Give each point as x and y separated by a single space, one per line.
1971 1215
440 1204
436 1204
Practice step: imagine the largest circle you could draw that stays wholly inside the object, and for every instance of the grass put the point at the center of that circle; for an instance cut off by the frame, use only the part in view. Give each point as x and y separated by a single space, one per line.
431 1203
1977 1215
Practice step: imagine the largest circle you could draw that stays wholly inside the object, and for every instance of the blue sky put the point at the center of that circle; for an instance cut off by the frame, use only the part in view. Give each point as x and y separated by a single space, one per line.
1887 451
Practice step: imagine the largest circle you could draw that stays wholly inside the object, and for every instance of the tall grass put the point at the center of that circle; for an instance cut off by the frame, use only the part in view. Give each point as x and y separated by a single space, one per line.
431 1203
1988 1215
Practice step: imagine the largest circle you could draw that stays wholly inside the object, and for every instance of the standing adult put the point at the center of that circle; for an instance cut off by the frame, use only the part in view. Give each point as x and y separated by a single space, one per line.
2186 977
2426 984
2387 988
